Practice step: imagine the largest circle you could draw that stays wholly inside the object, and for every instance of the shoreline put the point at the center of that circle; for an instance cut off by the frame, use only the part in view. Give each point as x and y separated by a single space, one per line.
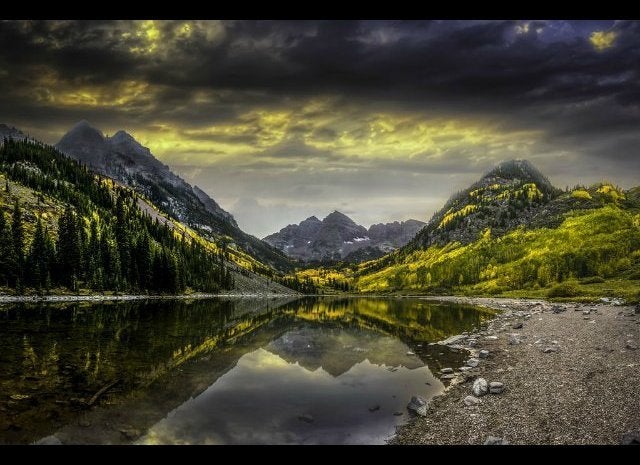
569 373
10 299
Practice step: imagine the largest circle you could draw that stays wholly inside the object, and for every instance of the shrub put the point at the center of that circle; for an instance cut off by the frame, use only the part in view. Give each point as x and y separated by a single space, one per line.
581 194
592 280
564 290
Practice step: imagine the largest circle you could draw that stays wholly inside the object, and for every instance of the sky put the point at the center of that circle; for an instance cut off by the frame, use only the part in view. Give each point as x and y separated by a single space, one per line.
382 120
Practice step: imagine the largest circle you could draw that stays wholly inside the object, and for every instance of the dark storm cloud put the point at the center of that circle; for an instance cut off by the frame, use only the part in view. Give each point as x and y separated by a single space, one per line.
448 66
353 95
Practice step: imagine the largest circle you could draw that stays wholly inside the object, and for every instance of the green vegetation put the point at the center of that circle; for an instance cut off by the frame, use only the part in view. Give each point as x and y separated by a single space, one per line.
590 249
82 231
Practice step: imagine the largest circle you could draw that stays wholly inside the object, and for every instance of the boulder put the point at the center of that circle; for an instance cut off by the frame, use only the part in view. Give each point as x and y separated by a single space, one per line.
496 387
471 400
631 437
480 387
472 362
494 441
483 353
418 405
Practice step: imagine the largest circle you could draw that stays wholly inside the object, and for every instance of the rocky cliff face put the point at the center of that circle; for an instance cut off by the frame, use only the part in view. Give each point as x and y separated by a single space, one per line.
338 237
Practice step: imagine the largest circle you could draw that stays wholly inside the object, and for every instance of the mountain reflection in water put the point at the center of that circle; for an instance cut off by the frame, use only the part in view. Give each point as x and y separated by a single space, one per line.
312 370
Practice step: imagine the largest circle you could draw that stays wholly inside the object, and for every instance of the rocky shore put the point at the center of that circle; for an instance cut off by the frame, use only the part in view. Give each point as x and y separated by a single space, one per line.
539 373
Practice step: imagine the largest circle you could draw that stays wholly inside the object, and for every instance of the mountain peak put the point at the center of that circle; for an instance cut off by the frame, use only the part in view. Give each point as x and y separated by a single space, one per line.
311 219
122 136
82 132
10 132
85 127
336 216
520 169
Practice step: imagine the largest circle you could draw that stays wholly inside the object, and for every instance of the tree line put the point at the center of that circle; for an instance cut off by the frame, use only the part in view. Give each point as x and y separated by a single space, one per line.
104 241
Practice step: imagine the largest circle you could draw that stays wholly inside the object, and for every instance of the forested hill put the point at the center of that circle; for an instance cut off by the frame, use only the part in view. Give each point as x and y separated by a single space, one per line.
513 232
63 226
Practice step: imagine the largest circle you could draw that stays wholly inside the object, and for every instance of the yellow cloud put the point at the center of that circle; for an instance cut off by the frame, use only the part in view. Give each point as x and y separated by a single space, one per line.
52 91
325 125
149 36
602 40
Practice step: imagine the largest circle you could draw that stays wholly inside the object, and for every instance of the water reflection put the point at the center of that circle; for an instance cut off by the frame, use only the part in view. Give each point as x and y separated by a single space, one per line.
301 371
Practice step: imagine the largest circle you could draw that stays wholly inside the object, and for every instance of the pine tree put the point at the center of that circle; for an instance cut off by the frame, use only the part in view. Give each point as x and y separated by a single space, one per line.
68 249
37 262
7 256
17 236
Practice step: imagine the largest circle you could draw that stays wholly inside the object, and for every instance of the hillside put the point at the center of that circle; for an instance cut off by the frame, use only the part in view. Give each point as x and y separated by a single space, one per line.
338 238
512 233
125 160
63 227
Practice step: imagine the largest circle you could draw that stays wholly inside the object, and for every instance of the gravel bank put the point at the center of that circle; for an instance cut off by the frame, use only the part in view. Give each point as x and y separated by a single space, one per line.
570 377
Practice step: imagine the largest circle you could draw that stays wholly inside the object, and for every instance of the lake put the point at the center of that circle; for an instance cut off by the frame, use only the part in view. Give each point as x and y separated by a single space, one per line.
325 370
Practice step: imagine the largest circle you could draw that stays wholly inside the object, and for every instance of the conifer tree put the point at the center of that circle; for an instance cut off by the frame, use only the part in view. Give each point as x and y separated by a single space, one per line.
17 236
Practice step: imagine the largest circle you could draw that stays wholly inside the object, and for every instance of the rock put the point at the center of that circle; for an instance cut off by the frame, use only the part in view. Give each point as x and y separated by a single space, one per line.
397 414
514 339
480 387
548 350
375 408
491 338
472 362
631 437
637 310
453 339
130 433
517 325
558 309
495 387
449 376
471 400
631 345
52 440
484 353
306 418
472 342
410 353
586 312
84 423
494 441
418 405
586 318
465 368
446 371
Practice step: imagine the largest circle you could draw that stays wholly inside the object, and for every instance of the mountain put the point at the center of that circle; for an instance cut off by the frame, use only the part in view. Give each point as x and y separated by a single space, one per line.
125 160
11 133
512 194
338 237
513 233
63 227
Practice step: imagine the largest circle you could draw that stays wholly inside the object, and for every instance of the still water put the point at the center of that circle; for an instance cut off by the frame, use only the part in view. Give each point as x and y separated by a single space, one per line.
222 371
